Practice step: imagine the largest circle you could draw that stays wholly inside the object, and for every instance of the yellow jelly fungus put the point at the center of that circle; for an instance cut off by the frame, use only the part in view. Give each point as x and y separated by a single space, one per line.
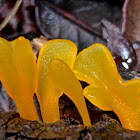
107 90
18 74
55 77
57 71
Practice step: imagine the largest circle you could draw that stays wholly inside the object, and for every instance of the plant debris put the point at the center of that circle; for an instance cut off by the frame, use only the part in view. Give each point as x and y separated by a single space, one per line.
22 23
11 14
68 19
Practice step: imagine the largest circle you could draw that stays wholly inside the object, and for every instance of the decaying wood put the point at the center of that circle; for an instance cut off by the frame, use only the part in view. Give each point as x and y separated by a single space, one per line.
14 127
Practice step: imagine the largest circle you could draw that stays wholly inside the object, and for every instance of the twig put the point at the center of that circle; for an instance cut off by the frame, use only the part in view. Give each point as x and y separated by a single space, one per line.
124 15
11 14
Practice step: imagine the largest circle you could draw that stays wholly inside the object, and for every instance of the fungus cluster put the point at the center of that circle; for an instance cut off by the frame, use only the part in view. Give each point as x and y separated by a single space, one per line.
57 71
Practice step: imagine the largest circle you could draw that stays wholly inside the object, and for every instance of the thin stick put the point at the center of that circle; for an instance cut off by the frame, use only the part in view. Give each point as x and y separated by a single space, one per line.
11 14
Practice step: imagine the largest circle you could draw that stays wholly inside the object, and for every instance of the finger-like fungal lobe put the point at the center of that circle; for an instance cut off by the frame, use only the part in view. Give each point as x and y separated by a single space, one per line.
18 74
107 90
58 70
55 77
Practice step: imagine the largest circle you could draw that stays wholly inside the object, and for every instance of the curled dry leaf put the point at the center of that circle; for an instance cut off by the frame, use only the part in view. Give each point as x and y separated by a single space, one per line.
131 25
67 18
119 46
131 20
